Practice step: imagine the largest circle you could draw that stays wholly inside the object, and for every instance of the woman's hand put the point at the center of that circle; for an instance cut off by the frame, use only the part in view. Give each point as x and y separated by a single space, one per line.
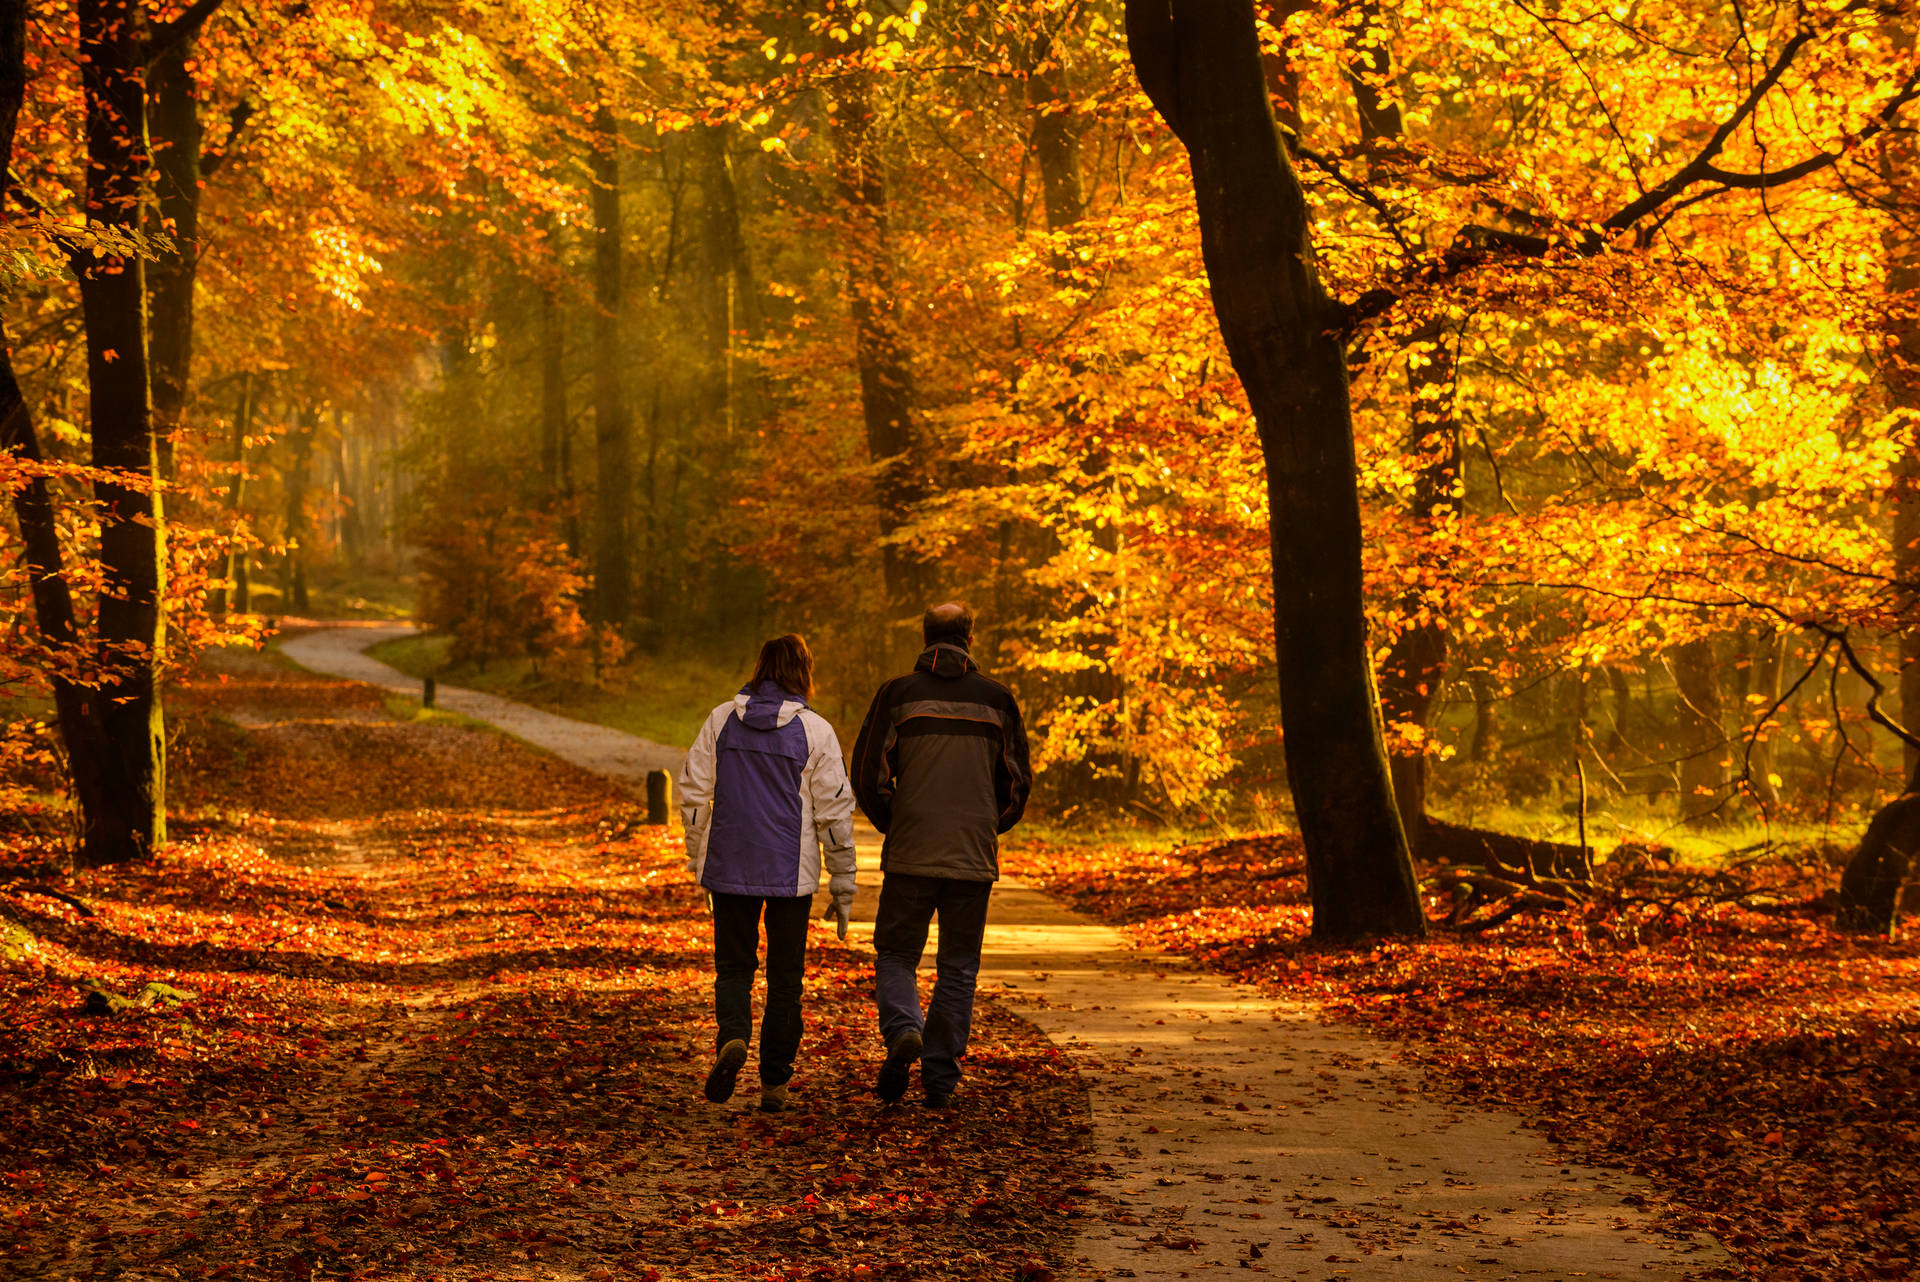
840 905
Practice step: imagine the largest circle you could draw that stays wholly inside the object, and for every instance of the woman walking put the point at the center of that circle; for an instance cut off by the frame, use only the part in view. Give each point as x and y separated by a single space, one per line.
763 793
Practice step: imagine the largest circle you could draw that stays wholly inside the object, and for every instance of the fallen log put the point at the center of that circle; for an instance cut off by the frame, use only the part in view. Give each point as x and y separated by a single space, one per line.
1457 844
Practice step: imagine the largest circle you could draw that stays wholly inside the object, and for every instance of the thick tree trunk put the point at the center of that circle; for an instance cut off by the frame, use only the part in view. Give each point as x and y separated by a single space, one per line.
177 138
132 821
1875 878
612 436
1056 147
1200 63
886 381
91 763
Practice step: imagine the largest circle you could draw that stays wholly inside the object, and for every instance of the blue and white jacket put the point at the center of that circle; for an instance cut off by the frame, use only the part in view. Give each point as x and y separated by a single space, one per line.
763 793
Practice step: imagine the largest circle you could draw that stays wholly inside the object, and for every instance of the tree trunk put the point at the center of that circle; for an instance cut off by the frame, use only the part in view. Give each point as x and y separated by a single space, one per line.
1622 709
1200 64
886 382
132 822
346 506
170 276
1872 885
90 762
553 396
1766 684
613 486
1056 147
236 495
1416 662
1901 363
1700 720
293 579
1486 728
1054 138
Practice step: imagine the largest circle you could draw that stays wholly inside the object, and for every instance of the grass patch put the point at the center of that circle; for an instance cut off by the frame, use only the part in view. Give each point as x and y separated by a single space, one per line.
401 708
1613 821
662 698
340 596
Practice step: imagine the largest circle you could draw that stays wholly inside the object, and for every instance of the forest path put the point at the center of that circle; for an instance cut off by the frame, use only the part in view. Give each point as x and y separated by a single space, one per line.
339 650
1237 1133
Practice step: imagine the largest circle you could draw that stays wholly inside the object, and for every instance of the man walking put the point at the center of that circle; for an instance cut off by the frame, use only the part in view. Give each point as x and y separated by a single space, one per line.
941 769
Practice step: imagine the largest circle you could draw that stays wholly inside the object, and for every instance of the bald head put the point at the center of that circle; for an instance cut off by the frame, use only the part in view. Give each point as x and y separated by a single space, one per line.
951 622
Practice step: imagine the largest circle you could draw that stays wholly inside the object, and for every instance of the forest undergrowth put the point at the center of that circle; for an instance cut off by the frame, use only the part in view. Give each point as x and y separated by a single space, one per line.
405 999
1761 1068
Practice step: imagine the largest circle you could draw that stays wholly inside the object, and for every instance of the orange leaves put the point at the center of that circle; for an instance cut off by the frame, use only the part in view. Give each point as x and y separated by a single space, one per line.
452 1017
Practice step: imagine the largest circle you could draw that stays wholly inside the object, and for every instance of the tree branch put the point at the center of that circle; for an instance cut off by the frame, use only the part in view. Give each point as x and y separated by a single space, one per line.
214 157
1874 711
166 35
1362 192
1696 169
1475 243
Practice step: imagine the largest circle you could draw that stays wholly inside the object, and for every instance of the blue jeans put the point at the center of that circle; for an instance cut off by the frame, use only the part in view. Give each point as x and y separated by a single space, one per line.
908 904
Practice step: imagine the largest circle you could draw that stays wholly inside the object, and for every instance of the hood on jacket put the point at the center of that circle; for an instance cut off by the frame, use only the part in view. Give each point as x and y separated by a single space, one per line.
946 659
767 706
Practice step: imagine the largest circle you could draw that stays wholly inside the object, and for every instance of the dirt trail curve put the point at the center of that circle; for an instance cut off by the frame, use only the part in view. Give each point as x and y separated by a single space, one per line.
1240 1135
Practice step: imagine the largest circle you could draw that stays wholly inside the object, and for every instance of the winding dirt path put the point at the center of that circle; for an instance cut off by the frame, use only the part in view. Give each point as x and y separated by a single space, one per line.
1237 1134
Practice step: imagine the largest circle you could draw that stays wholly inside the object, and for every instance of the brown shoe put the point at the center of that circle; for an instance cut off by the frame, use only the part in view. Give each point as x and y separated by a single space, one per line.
773 1099
725 1068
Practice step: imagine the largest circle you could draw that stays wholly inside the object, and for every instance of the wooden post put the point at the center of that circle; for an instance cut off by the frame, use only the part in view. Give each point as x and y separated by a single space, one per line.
659 796
426 693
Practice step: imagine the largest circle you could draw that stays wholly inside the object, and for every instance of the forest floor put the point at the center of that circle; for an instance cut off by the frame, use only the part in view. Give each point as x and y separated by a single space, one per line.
446 1016
1761 1070
1233 1133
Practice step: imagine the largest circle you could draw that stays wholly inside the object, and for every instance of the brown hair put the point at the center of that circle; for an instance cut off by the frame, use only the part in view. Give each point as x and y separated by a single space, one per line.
787 663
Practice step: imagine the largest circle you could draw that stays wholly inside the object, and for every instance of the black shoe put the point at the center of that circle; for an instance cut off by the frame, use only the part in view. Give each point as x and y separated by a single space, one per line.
733 1056
892 1084
938 1098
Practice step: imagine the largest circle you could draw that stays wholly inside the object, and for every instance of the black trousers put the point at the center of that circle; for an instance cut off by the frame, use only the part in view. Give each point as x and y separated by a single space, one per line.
736 948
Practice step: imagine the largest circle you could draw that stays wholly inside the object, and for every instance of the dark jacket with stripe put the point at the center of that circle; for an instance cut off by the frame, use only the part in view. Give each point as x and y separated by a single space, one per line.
941 767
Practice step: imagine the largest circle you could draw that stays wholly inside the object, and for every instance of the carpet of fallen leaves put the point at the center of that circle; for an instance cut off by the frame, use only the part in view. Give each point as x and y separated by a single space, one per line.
448 1016
1762 1069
